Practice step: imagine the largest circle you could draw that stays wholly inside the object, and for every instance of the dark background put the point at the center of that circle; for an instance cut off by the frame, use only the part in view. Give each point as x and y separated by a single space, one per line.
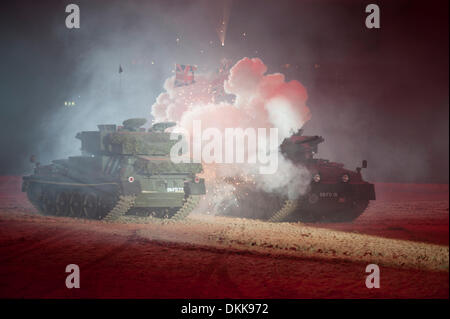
380 95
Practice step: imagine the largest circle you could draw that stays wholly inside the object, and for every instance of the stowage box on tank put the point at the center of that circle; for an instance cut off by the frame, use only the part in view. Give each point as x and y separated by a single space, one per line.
122 170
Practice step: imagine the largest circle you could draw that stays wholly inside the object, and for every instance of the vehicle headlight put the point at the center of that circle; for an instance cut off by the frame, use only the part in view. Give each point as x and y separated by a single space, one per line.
345 178
316 178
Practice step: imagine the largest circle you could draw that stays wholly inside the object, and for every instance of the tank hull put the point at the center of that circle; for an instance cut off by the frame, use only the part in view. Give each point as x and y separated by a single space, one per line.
333 203
323 202
95 200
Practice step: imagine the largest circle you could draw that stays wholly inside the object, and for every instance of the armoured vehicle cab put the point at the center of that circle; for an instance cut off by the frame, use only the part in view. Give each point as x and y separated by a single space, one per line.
122 170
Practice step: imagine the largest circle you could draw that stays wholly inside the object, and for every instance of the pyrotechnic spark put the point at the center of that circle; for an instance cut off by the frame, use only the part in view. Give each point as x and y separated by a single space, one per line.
223 25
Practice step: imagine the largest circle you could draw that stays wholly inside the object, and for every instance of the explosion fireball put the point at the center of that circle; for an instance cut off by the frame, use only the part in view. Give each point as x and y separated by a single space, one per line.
259 100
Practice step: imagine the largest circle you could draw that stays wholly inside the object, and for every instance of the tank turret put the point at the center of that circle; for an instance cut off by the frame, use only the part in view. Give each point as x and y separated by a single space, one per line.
162 126
300 148
130 139
134 124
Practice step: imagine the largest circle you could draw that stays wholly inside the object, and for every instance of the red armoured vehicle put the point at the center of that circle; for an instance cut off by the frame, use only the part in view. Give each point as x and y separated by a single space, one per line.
335 194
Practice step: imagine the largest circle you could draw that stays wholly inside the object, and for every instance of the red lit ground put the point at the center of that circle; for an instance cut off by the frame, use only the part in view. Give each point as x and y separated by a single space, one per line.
405 232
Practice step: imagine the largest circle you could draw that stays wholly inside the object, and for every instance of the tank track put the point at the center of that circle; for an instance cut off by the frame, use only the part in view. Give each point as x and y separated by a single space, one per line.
294 211
190 204
288 208
254 204
120 209
125 203
35 202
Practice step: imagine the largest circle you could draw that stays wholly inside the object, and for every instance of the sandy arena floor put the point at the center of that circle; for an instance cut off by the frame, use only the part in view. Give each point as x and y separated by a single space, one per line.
405 232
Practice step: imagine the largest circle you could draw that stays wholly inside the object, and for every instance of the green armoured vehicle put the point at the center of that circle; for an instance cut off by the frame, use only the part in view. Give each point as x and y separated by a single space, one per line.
123 170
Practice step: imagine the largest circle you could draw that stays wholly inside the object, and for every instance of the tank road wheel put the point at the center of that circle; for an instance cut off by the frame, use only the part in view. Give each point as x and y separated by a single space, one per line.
249 203
34 194
106 203
155 212
309 216
75 205
49 202
167 213
90 206
358 207
62 204
342 215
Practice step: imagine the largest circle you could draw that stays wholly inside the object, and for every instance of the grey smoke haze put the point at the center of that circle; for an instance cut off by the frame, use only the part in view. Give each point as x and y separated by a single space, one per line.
377 95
